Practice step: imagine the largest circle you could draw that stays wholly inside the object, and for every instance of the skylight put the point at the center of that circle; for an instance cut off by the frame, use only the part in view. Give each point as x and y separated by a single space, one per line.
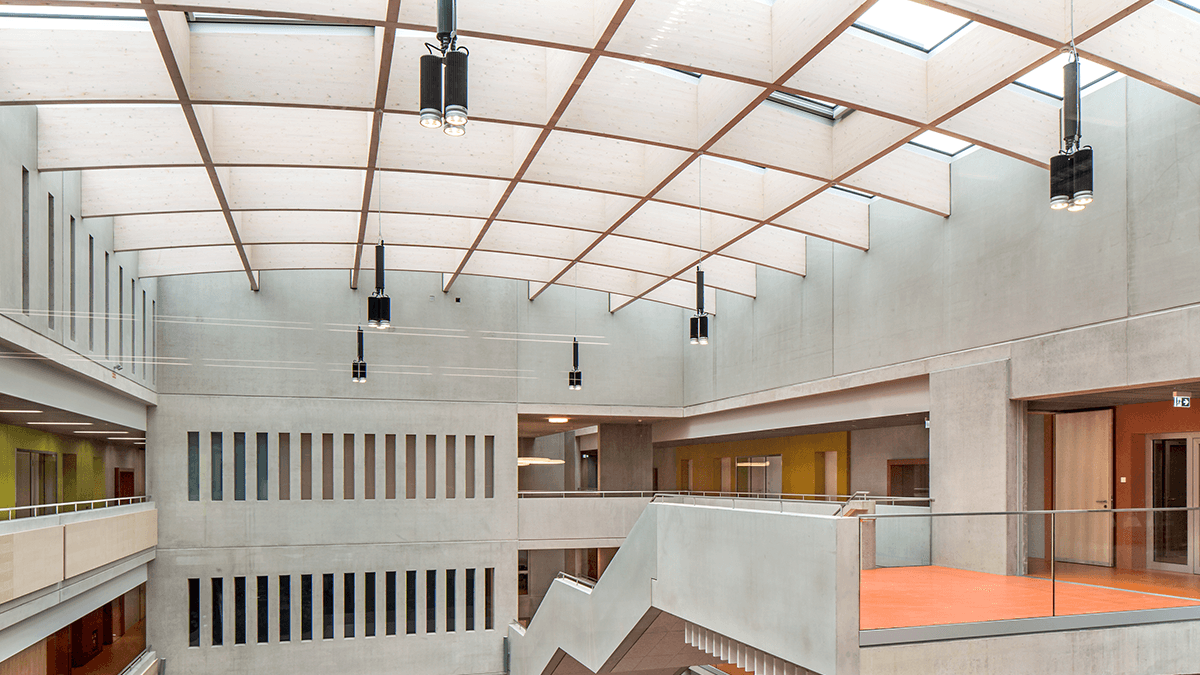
1048 78
829 111
946 145
42 12
917 26
1193 5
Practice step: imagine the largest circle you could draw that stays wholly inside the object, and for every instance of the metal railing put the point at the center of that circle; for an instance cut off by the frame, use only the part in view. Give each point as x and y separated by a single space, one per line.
765 496
582 581
14 512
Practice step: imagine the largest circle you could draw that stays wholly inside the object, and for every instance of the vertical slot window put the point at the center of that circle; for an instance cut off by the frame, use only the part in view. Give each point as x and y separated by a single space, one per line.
327 607
410 602
489 467
390 604
133 325
489 597
348 466
431 467
145 366
430 601
305 466
326 466
239 466
25 240
71 277
264 622
239 610
306 607
218 612
193 612
193 467
261 467
389 466
369 604
218 490
469 467
348 605
469 582
410 467
50 244
91 293
120 314
154 340
451 577
285 608
285 466
107 308
369 466
451 457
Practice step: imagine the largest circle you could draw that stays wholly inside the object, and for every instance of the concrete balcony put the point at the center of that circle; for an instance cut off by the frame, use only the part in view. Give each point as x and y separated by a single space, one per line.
554 520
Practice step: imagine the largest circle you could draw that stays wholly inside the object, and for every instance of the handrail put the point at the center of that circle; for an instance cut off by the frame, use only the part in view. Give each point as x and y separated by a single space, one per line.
1031 513
860 496
13 512
770 496
582 581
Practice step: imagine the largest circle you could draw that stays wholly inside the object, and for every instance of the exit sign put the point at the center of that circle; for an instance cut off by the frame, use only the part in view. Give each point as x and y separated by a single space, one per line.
1183 400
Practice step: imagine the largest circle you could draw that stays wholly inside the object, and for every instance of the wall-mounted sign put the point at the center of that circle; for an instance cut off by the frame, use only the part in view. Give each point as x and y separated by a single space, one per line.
1182 399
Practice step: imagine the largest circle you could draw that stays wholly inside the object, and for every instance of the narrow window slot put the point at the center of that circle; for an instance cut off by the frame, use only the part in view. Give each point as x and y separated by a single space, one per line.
264 623
489 597
261 467
451 577
389 466
410 467
50 259
369 466
410 602
306 466
489 466
369 604
218 612
326 466
348 466
285 466
469 467
193 466
390 604
239 466
431 467
348 605
25 240
239 610
193 612
218 489
306 607
327 607
430 601
470 599
285 608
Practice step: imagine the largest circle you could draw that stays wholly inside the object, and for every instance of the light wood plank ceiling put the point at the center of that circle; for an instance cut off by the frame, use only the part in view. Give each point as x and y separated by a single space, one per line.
248 135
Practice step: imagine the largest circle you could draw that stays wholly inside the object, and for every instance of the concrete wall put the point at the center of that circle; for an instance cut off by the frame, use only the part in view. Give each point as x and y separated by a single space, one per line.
626 457
18 150
870 450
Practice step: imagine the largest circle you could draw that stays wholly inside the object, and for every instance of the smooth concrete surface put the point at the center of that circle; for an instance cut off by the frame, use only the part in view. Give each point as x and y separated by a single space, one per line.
626 457
975 464
870 450
678 559
1154 649
576 522
90 544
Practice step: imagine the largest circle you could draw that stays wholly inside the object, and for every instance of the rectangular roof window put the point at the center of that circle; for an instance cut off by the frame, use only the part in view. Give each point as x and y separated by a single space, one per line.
917 26
1193 5
829 111
1048 77
43 12
946 145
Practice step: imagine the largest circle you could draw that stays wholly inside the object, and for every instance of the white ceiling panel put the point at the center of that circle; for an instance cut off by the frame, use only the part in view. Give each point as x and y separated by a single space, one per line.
539 240
299 227
909 177
328 70
289 136
682 293
773 135
495 150
831 216
276 188
81 61
169 230
512 266
440 195
771 246
548 204
621 166
191 260
108 192
80 136
637 101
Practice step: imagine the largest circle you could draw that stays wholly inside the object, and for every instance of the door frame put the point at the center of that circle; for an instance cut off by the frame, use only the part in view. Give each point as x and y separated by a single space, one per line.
1193 500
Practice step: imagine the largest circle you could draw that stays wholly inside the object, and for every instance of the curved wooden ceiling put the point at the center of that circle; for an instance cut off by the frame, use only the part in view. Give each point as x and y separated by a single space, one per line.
598 128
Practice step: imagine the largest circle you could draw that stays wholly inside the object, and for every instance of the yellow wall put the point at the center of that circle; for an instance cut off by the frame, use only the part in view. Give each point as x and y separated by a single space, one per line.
88 483
799 461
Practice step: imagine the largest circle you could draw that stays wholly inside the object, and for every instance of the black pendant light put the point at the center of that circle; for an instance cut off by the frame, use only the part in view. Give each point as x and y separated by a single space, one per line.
445 106
1071 169
575 377
379 305
699 332
358 369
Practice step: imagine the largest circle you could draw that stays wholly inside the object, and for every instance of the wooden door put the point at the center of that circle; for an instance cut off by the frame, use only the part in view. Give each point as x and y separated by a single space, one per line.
124 483
1083 461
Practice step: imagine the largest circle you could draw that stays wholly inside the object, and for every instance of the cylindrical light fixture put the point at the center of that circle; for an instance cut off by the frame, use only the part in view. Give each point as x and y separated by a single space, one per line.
1081 179
575 377
699 323
358 369
456 92
431 91
1060 182
1071 170
379 305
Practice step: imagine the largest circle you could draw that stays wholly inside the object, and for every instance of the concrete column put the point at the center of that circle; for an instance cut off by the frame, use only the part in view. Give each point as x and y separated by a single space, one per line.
975 464
626 457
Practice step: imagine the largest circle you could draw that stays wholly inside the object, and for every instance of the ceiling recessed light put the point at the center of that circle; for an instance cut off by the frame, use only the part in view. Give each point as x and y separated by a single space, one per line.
558 420
101 432
20 412
126 438
63 424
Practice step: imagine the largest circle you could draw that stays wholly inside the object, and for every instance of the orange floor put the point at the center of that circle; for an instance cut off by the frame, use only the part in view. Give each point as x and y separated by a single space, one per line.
929 596
116 657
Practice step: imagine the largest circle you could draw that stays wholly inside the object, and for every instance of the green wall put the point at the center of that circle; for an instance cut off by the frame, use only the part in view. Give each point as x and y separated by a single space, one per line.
87 481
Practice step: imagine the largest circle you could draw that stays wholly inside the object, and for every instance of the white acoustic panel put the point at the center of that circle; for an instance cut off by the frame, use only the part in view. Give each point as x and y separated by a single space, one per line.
108 192
94 136
289 136
170 230
191 260
275 188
